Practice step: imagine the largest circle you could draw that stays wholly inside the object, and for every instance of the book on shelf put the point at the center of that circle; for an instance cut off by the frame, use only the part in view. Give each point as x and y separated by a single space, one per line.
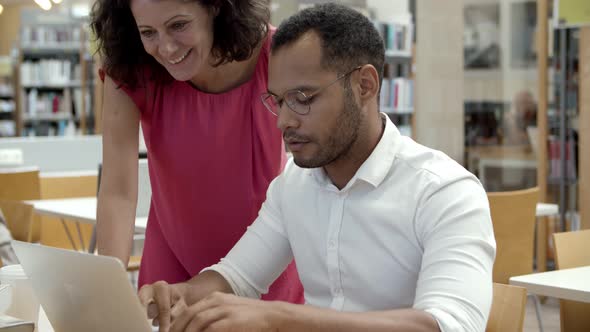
7 106
49 72
396 36
397 95
48 105
555 162
7 128
41 35
6 90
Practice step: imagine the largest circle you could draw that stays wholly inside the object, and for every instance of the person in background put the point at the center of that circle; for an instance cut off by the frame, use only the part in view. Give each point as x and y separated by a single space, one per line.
518 119
388 235
191 73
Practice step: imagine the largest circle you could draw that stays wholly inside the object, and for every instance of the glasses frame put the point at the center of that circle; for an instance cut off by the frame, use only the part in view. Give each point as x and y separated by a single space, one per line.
279 99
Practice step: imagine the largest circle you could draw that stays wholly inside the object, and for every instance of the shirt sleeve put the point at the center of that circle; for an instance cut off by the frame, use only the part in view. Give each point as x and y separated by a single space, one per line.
454 226
262 253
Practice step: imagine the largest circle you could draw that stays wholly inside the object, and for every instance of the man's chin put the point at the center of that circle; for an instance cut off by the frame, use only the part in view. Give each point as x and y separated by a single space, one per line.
305 163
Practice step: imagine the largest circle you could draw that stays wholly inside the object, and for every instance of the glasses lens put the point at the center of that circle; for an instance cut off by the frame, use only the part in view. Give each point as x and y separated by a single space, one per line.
270 102
298 102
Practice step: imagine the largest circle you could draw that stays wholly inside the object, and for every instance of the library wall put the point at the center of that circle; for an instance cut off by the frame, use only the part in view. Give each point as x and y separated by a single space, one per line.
439 76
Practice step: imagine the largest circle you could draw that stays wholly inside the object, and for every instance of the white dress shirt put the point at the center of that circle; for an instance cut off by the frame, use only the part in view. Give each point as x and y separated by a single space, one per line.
411 229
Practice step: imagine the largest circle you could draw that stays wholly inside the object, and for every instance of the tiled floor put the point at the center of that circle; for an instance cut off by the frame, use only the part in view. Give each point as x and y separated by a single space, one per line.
549 316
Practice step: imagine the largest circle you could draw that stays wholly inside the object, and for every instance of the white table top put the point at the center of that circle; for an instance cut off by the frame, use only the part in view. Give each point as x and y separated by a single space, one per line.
43 324
568 284
546 210
78 209
84 210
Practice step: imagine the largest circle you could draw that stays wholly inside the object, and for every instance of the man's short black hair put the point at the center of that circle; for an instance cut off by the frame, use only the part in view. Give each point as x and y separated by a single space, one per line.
348 38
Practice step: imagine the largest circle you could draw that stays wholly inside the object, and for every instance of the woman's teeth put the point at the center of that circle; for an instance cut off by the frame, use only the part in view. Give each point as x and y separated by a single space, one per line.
175 61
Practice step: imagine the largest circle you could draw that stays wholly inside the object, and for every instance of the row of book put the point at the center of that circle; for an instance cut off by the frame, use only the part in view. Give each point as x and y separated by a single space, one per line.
397 95
396 36
6 89
50 35
555 162
53 106
7 128
56 128
7 105
49 72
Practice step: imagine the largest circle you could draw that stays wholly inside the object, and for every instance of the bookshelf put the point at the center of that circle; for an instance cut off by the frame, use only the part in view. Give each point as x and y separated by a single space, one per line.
394 21
584 129
7 100
54 85
397 90
551 122
562 125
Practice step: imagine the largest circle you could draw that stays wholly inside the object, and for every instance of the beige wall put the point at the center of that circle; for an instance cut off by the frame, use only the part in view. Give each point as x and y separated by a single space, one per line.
439 76
9 25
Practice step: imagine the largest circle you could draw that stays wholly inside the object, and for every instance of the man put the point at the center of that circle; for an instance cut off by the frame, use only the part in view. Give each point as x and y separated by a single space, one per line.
387 235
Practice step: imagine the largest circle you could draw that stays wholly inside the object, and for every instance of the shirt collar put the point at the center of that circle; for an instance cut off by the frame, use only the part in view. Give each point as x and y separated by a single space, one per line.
377 165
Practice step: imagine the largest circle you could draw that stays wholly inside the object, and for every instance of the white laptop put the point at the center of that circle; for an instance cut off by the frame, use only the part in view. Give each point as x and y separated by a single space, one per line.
82 292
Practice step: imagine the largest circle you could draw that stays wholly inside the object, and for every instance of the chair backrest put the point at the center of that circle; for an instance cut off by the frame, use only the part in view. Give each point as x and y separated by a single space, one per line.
66 185
508 309
572 249
20 183
513 218
19 219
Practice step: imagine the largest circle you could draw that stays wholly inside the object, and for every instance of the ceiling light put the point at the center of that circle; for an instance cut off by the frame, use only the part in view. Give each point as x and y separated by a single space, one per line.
44 4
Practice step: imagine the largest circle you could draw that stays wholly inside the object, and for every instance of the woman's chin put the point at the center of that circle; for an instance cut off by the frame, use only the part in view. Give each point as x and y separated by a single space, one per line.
182 76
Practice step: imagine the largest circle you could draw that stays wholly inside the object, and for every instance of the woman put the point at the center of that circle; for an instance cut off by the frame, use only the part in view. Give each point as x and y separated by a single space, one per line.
190 72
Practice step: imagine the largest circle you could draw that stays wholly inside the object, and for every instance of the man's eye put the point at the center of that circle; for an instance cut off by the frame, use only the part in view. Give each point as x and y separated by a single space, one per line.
303 100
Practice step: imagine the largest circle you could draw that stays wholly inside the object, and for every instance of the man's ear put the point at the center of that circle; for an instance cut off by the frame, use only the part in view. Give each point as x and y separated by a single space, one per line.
368 83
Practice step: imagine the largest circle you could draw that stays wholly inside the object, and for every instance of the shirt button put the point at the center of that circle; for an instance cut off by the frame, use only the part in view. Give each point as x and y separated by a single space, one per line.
332 244
338 291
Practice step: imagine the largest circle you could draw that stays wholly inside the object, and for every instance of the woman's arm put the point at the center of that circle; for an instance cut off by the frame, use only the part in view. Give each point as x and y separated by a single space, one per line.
117 198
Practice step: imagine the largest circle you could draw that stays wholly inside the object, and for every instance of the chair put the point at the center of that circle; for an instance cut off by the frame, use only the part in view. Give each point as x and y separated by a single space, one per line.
17 184
508 309
19 219
61 233
513 219
572 249
20 183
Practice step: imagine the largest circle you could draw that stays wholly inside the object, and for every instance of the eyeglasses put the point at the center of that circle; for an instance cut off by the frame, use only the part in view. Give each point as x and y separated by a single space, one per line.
297 100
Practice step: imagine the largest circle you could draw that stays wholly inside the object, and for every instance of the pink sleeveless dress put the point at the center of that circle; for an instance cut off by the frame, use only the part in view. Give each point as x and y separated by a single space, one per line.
211 159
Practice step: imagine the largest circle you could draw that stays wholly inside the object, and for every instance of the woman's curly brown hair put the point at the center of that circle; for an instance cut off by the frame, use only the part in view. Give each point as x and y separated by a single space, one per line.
238 29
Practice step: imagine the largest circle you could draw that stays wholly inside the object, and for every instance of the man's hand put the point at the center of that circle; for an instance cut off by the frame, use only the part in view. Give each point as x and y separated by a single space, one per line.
163 302
227 313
